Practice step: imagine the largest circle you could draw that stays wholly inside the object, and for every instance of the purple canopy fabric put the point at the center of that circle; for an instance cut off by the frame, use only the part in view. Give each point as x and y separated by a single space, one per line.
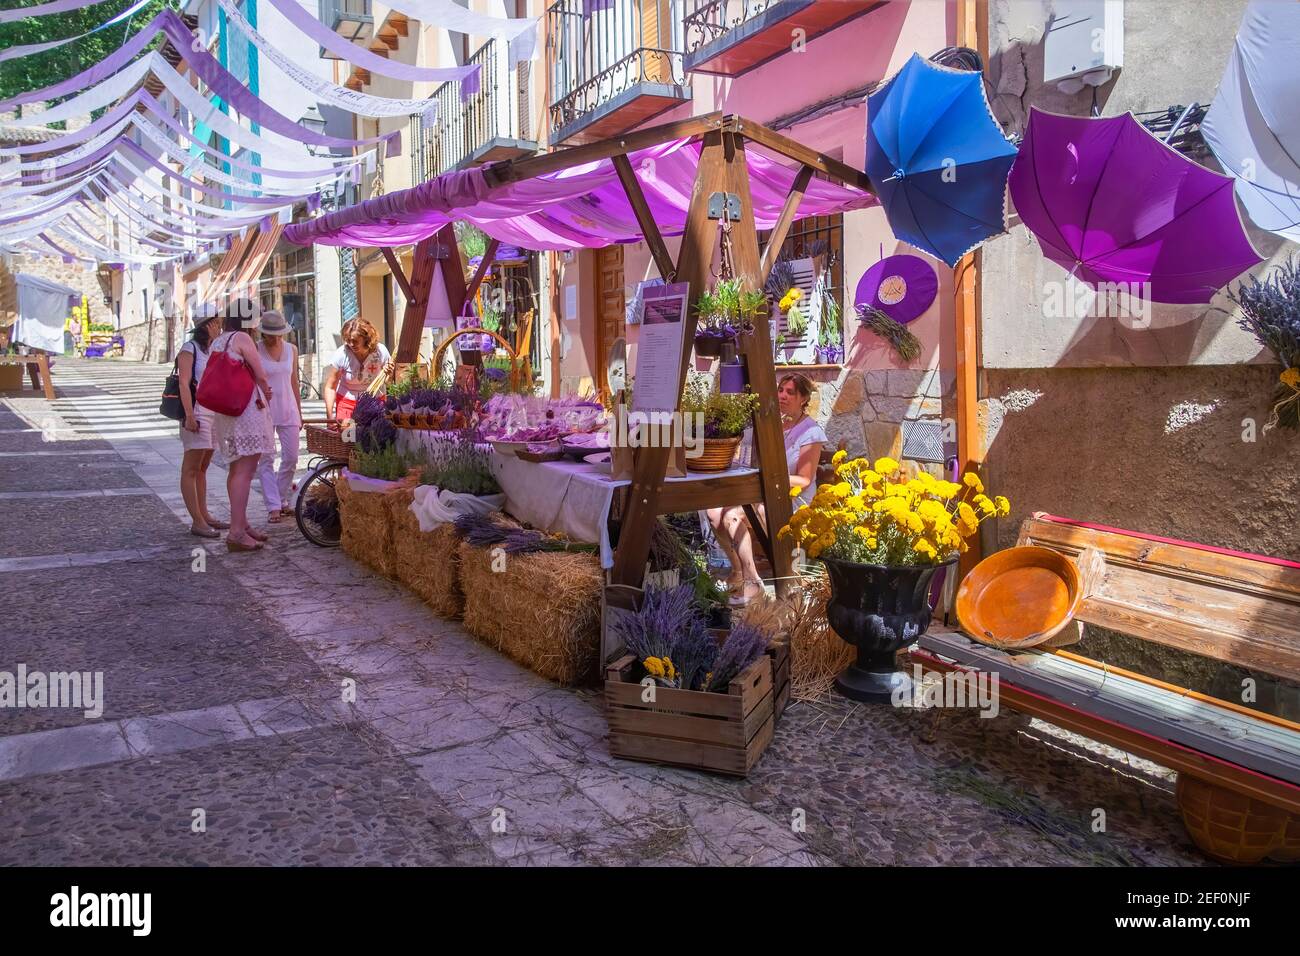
580 207
1110 203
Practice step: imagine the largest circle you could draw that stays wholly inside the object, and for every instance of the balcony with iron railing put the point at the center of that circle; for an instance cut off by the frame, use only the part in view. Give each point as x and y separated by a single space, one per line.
492 124
354 20
614 65
731 37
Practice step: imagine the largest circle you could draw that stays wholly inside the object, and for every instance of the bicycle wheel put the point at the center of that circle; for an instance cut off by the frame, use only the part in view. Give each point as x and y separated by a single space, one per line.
317 510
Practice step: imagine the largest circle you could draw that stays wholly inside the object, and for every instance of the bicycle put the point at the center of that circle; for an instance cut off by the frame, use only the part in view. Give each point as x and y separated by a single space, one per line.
317 510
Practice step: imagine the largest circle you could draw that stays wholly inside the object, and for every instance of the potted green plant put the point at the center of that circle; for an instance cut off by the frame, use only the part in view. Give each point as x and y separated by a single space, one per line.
724 417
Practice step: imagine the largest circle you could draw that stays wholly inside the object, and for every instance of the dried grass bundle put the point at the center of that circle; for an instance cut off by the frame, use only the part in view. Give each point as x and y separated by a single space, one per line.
541 610
367 534
426 562
818 652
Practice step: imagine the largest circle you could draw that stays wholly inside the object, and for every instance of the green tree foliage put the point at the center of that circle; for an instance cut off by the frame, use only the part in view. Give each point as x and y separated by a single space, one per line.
43 69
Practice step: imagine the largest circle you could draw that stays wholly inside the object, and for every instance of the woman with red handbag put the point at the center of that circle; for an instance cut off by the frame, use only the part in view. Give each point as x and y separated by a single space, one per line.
234 386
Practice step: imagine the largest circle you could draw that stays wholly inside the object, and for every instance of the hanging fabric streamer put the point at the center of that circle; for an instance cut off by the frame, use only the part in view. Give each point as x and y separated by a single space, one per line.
353 101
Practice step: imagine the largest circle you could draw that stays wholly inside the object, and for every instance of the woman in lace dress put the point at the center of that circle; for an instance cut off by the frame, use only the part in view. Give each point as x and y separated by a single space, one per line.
245 438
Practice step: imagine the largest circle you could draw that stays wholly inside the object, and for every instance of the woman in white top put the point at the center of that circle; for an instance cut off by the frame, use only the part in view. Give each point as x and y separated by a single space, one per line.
244 438
358 362
280 361
804 440
196 430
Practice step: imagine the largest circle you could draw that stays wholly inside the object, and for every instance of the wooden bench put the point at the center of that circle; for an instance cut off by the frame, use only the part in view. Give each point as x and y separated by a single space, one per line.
39 368
1238 767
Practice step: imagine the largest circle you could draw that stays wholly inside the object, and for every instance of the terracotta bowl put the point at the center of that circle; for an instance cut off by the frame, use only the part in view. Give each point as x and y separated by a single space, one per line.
1019 597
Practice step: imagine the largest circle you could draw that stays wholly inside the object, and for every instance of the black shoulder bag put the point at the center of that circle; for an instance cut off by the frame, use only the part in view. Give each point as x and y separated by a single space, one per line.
170 406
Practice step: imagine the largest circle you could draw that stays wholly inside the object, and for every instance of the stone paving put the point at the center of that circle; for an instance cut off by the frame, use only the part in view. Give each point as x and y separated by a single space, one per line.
223 703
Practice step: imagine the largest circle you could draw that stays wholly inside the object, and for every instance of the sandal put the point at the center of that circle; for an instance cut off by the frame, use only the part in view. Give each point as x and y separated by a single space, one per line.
743 598
258 535
219 525
232 545
204 532
274 517
287 511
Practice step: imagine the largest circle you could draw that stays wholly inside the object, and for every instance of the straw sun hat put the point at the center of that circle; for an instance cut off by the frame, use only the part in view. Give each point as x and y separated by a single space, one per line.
273 323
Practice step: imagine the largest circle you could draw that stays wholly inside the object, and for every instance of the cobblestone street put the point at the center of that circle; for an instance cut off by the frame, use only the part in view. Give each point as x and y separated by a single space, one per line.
222 695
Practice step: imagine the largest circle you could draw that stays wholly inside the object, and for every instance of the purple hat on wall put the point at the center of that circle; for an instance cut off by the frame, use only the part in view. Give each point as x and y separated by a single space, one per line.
902 287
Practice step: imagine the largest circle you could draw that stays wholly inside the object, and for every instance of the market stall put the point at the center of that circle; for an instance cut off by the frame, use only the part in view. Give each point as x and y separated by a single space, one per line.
42 311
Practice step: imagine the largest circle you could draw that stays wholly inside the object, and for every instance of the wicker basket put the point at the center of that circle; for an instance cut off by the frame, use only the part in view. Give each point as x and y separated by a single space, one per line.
1234 828
326 439
717 455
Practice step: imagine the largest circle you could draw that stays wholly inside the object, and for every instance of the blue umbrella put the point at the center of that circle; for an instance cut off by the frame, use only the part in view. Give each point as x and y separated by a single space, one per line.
937 158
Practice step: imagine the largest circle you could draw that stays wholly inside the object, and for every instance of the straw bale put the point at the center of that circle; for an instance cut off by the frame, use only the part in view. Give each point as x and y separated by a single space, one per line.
427 562
542 610
367 535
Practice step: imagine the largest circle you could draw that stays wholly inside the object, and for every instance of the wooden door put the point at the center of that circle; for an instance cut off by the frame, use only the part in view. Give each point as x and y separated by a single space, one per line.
611 307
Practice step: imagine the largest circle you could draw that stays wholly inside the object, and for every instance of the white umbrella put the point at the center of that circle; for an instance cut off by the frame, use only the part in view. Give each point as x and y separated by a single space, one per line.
1253 126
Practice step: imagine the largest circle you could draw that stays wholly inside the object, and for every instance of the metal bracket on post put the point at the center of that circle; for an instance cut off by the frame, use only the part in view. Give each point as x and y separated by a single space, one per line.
724 206
439 250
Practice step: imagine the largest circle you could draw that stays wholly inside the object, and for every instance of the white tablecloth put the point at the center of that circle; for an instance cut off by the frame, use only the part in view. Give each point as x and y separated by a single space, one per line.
569 498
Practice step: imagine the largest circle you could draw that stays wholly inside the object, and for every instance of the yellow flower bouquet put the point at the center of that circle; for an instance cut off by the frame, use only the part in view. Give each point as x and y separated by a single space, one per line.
874 514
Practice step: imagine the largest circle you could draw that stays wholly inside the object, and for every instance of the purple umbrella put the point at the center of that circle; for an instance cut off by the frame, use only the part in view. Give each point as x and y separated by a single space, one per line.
1110 203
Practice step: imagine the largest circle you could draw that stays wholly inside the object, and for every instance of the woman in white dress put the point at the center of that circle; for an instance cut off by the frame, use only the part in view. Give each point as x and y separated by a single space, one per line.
280 361
196 430
245 438
804 440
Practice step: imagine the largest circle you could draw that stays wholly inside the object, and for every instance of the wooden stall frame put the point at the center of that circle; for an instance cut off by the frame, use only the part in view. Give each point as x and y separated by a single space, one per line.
724 139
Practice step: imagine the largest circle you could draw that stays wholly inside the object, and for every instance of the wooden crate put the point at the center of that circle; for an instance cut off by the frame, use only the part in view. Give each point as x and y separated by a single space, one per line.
779 654
726 733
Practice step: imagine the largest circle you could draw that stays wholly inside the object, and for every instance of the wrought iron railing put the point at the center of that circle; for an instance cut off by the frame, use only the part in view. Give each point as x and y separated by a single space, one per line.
709 20
601 48
498 111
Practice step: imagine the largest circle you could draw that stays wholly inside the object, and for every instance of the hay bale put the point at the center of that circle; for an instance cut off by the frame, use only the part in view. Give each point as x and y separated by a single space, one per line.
541 610
427 562
367 535
818 654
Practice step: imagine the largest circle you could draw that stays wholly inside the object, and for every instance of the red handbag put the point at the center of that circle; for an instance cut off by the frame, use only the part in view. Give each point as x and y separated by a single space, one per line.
226 384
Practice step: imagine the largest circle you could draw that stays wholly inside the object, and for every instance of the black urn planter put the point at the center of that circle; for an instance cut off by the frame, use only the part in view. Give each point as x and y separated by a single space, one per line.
708 346
878 610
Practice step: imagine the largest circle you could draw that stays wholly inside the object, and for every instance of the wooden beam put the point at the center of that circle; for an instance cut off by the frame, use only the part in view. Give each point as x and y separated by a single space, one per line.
417 301
529 167
481 272
783 222
645 219
784 145
398 274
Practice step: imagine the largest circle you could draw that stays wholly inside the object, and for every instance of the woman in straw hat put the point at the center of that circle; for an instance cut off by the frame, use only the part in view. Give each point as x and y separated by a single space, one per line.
196 430
280 360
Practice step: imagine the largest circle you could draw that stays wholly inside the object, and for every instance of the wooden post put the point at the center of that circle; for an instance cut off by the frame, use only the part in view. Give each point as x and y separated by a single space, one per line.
645 219
782 227
756 349
966 310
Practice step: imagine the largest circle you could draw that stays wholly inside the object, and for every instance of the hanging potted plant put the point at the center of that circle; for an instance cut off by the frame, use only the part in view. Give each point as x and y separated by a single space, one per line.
725 416
882 537
1271 312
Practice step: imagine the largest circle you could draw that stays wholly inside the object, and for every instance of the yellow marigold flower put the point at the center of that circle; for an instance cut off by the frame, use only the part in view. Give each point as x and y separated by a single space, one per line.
785 534
814 549
669 671
925 548
932 511
967 521
885 466
839 456
986 507
842 489
914 522
1003 506
1291 377
972 480
654 667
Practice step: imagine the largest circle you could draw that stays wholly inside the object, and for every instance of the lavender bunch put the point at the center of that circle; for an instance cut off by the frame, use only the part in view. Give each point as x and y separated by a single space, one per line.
652 631
694 652
368 409
1271 313
743 646
430 398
